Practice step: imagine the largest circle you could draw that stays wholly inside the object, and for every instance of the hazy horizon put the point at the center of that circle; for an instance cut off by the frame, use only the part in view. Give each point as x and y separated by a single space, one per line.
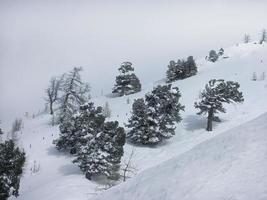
41 39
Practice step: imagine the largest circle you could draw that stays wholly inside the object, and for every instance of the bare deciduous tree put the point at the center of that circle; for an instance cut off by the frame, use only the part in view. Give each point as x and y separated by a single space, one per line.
128 168
52 92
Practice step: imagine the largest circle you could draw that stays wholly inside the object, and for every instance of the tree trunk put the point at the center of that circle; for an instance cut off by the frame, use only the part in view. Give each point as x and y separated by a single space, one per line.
210 118
51 108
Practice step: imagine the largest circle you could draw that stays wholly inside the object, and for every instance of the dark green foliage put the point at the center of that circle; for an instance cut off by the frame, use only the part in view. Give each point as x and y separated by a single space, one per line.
11 163
153 119
127 82
181 69
102 154
97 145
213 56
221 52
215 94
75 132
142 127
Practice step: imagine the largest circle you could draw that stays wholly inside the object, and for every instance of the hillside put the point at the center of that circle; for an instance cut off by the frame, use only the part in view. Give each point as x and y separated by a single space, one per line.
192 154
229 166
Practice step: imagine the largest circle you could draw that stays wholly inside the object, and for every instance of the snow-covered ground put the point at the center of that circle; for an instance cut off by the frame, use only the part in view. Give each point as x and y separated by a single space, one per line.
227 163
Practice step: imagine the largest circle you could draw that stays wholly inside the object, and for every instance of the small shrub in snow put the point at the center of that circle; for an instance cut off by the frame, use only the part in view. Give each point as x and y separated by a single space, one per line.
263 36
215 94
246 38
127 82
153 119
254 76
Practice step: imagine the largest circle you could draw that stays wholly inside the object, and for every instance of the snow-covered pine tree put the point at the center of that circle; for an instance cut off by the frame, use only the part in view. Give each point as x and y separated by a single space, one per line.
80 128
143 129
181 69
153 120
127 82
221 52
215 94
190 66
75 93
164 107
12 160
213 57
102 154
263 36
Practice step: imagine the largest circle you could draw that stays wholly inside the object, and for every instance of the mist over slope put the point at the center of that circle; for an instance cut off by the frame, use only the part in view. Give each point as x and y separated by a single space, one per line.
188 165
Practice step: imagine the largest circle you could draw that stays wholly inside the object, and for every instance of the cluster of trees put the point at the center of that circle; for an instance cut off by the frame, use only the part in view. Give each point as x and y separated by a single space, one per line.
96 144
181 69
67 93
12 160
214 56
263 37
154 117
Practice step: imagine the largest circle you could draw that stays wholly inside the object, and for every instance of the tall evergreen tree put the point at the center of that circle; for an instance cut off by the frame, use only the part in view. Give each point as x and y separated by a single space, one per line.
143 129
215 94
11 162
102 154
153 120
127 82
75 132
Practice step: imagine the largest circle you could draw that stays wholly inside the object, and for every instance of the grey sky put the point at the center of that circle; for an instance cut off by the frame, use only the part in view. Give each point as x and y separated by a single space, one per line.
40 39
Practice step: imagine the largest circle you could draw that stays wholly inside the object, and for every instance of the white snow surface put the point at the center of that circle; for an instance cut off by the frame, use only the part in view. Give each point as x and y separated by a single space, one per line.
228 163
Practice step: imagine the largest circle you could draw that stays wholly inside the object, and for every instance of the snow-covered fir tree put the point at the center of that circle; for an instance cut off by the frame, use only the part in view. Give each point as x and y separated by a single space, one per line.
102 153
154 118
181 69
221 52
142 127
127 82
74 93
81 127
215 94
97 145
12 160
213 56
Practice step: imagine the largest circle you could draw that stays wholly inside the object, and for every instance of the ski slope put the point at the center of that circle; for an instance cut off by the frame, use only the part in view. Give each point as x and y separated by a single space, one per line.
230 166
162 171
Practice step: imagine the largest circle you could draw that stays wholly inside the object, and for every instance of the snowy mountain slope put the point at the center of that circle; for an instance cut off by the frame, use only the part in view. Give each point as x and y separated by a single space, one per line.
59 179
229 166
